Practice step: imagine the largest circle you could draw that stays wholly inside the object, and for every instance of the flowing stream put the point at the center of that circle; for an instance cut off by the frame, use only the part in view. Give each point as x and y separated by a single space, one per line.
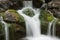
31 22
49 27
54 28
33 28
33 25
5 28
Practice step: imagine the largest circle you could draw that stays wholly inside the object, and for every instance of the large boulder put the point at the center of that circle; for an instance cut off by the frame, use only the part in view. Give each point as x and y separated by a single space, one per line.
16 31
12 15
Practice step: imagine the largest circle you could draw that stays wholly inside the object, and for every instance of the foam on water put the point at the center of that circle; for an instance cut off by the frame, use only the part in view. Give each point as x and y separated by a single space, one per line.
32 23
42 37
33 27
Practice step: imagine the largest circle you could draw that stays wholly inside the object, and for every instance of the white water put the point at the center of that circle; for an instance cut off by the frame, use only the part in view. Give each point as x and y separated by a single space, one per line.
49 27
6 29
33 25
54 28
33 28
25 3
31 22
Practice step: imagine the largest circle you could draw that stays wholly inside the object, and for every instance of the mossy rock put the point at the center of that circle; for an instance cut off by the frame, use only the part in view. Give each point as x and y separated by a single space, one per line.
2 14
44 27
16 31
29 12
1 29
0 25
57 27
12 15
58 22
17 27
46 16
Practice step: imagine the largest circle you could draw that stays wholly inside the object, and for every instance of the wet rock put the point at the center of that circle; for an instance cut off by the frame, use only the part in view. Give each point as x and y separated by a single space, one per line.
54 7
17 27
57 27
54 3
56 13
12 15
1 32
4 5
1 9
44 27
37 3
17 31
16 4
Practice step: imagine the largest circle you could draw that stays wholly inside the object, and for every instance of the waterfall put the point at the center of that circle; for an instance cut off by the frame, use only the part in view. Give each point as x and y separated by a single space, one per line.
6 29
27 3
54 24
49 27
33 28
32 23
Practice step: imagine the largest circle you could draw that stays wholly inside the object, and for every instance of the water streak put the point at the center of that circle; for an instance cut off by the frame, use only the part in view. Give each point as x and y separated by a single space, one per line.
6 29
49 27
32 23
54 27
33 28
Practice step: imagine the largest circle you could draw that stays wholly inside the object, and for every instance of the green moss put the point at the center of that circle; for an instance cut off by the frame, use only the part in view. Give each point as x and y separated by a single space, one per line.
1 28
46 16
29 12
14 14
2 14
58 22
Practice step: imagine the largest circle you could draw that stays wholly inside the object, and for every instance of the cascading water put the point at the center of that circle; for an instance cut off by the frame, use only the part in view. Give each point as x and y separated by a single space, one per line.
54 23
31 22
28 4
33 28
49 27
6 28
25 3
